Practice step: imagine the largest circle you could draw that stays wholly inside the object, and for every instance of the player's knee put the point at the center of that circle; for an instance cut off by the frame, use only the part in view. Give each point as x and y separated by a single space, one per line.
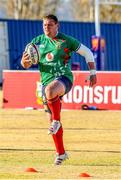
49 92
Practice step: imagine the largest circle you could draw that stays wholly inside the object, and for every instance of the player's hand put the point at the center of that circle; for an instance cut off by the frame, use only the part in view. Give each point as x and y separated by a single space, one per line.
93 80
26 61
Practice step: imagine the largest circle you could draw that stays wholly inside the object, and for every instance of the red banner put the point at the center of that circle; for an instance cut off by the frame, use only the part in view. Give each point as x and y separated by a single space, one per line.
19 90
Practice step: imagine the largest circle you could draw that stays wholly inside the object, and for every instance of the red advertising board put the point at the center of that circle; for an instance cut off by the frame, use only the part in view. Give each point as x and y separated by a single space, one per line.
19 90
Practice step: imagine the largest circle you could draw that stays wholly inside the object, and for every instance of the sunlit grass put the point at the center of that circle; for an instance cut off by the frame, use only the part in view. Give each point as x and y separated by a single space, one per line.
92 140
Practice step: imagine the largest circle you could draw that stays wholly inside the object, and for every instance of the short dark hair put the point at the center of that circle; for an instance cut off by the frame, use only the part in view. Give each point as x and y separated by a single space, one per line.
51 16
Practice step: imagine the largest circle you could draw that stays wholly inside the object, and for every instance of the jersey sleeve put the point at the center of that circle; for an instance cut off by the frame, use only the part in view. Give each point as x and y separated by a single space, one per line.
73 43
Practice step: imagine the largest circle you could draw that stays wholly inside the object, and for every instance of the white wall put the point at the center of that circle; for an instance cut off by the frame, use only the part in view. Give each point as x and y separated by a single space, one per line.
4 58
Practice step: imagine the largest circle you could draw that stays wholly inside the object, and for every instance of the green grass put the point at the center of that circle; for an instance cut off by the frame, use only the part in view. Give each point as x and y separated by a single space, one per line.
92 140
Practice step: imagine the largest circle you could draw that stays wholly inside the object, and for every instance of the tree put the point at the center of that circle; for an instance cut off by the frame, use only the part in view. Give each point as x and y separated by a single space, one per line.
78 10
110 13
30 9
83 10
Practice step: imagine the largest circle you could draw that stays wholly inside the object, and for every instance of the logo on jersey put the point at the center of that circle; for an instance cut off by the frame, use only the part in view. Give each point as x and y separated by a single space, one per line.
42 46
49 57
58 45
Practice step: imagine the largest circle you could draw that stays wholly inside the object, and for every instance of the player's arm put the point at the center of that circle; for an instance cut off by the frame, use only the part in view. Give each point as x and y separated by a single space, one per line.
86 52
26 61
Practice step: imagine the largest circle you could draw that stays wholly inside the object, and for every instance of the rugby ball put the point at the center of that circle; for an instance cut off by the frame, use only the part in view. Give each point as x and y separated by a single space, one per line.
33 52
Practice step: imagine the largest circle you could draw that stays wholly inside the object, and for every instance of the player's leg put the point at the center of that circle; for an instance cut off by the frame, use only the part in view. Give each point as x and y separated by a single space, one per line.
48 113
56 89
49 116
53 92
58 141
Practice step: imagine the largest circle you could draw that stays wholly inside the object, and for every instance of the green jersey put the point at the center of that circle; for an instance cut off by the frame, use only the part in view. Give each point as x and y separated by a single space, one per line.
55 54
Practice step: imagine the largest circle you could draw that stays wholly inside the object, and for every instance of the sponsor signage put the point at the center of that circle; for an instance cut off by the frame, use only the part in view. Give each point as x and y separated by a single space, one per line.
19 90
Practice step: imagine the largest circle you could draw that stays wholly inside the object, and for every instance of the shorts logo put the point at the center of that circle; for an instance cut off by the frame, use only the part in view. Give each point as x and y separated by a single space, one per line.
49 57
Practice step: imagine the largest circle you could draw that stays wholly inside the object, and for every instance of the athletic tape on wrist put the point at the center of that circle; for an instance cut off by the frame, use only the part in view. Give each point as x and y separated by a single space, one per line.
92 71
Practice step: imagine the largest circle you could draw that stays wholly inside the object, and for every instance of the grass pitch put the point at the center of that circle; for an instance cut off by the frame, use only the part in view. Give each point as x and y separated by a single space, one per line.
92 140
